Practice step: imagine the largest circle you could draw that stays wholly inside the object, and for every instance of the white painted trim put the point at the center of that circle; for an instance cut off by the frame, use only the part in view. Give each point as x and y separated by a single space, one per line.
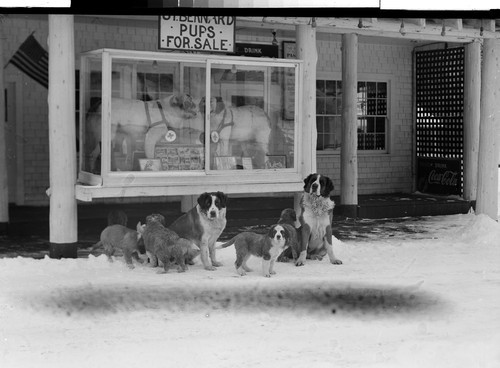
20 185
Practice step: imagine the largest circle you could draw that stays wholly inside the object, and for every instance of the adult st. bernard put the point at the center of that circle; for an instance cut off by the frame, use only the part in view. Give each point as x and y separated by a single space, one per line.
316 220
203 225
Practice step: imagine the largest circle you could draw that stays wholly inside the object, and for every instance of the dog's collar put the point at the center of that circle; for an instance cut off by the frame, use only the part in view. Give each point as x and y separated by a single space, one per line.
162 113
215 134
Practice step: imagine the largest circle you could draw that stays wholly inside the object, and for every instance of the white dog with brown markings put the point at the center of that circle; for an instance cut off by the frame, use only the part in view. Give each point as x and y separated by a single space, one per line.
266 246
131 119
203 225
316 220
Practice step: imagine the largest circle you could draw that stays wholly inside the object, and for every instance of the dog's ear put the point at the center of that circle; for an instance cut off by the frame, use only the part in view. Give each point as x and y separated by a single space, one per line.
328 187
219 105
176 101
140 228
202 199
223 199
307 182
201 105
272 231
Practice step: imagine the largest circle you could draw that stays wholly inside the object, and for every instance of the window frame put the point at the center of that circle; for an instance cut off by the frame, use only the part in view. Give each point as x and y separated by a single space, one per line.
185 181
364 77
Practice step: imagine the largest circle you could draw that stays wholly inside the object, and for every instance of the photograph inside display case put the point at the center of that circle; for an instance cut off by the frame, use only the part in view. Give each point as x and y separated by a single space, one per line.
157 117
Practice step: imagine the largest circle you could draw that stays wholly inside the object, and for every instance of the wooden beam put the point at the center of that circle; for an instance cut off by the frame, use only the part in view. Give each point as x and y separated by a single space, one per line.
472 97
389 28
420 22
487 181
62 138
306 51
4 182
349 148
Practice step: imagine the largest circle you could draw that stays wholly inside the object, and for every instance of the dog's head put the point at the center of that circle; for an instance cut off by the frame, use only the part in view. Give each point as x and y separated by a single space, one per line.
288 216
213 205
156 217
278 235
185 105
216 105
318 185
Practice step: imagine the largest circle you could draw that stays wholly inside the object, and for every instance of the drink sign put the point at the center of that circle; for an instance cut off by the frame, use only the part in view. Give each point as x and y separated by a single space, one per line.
439 176
197 33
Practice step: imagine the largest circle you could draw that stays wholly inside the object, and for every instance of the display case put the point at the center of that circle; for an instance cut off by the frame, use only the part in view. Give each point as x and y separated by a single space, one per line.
154 123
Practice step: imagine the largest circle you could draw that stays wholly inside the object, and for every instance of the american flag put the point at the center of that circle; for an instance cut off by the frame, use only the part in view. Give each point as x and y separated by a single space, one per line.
32 59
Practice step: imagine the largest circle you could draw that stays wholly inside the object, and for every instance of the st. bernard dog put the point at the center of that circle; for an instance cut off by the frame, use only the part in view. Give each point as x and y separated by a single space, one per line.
131 119
234 129
266 246
203 224
316 220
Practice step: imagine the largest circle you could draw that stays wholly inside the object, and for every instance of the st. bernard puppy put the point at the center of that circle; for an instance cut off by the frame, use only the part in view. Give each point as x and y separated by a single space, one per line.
316 220
203 224
266 246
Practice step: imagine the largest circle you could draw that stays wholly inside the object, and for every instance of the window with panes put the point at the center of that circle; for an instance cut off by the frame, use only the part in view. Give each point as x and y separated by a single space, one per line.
372 115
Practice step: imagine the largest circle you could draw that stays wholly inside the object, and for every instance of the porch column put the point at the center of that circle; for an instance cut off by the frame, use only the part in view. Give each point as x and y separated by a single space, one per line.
62 137
472 97
349 148
487 181
4 182
306 50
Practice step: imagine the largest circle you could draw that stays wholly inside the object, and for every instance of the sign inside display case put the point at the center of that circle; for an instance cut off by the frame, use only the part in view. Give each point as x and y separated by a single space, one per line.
164 132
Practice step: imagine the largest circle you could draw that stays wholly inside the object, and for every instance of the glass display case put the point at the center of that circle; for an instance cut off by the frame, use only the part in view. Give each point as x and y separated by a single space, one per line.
184 121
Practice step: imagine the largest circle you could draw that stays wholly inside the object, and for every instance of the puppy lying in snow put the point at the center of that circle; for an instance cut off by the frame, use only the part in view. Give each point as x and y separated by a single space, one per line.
118 237
164 245
266 246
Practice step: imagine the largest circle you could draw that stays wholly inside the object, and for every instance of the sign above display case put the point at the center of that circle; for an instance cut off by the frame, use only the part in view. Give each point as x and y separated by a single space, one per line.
196 33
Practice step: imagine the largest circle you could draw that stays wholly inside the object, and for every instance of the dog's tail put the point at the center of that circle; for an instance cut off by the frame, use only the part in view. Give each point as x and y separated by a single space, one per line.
96 245
226 244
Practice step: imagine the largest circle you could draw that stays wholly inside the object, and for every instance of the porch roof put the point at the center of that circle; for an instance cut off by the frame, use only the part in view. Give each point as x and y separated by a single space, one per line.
420 29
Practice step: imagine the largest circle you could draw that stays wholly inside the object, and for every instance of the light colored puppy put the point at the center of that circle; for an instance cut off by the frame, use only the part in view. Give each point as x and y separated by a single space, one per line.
266 246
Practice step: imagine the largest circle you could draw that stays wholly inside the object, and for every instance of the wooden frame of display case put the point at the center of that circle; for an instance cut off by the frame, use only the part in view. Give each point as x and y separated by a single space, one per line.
189 182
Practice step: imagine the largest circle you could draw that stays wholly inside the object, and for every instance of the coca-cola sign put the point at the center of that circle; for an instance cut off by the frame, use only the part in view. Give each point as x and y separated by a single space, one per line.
439 176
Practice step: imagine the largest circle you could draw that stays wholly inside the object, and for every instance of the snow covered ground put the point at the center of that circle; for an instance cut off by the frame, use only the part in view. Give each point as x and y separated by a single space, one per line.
430 298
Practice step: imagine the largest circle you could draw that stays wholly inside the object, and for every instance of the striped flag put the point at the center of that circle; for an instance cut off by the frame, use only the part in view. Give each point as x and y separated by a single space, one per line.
32 59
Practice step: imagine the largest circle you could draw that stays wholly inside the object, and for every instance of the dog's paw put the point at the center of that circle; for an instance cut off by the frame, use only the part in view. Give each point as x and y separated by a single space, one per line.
210 268
130 265
217 264
267 275
299 263
336 261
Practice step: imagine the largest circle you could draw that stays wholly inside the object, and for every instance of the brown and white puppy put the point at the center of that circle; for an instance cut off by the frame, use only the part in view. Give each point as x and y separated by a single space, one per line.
203 224
316 220
287 219
266 246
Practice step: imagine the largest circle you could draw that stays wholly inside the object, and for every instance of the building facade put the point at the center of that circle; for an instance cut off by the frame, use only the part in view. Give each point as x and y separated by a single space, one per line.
384 167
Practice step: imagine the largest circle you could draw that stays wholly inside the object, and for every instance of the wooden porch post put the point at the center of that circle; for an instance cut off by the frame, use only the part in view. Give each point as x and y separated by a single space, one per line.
349 148
4 182
472 97
306 50
62 137
487 181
